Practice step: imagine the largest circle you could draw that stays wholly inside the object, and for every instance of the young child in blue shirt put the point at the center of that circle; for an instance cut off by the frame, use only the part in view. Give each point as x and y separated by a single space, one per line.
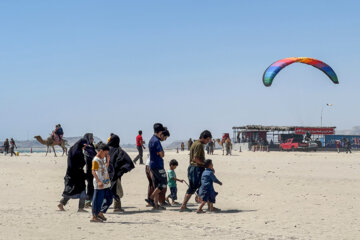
172 182
207 192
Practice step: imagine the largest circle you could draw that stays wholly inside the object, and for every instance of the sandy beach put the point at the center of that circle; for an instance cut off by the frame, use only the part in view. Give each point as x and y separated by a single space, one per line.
264 196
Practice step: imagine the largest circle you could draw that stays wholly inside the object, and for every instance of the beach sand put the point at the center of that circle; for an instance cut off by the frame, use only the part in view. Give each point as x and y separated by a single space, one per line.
272 195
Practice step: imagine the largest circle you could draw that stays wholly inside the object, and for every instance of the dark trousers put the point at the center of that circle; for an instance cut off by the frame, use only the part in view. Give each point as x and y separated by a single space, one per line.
65 200
12 151
348 149
140 155
6 150
101 201
90 186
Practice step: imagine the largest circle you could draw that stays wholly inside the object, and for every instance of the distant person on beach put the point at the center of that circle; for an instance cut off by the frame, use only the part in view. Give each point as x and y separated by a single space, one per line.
58 133
347 145
120 163
190 142
228 146
102 198
182 146
338 145
75 176
12 147
140 146
172 182
6 146
206 191
89 153
157 170
211 147
196 168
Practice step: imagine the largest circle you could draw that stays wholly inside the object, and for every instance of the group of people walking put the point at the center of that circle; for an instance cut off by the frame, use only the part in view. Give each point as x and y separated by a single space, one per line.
100 185
9 147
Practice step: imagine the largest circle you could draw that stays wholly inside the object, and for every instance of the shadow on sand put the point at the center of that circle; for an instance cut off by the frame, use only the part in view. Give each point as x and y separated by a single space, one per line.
135 212
225 211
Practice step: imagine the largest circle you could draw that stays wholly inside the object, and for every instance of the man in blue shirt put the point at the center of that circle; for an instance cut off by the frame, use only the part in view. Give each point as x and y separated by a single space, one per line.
157 163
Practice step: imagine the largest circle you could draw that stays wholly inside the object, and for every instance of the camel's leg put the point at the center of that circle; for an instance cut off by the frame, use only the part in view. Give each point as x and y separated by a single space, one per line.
54 150
66 151
63 148
47 150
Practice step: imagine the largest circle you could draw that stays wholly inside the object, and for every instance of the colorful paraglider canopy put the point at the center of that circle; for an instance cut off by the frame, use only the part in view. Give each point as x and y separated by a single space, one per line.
277 66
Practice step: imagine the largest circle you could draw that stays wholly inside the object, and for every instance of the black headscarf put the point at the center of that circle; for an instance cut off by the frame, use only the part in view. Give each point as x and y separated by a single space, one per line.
120 163
88 137
89 151
75 176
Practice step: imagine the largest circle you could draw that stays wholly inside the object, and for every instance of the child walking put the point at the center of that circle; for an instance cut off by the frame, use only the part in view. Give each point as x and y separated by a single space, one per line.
172 182
102 198
207 192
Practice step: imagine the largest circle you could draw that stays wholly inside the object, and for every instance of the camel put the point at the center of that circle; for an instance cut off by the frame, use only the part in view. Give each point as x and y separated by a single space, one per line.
225 145
51 142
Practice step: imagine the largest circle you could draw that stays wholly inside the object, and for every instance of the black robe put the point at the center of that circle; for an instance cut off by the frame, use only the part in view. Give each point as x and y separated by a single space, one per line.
120 163
75 175
89 153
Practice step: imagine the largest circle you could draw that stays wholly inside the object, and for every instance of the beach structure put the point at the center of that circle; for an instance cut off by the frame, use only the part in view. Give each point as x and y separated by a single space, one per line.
245 136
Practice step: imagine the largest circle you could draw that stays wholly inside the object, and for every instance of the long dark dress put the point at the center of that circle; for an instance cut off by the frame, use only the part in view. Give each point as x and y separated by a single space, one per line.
89 153
75 175
120 163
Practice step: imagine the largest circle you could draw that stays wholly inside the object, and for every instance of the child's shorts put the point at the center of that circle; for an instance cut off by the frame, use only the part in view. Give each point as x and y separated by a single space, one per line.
173 193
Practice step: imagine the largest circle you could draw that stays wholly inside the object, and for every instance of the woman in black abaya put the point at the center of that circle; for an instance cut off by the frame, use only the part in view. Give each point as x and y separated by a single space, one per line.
120 163
75 176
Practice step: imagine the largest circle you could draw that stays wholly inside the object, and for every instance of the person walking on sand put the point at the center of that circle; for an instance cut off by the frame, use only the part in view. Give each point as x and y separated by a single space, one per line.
75 176
190 142
157 170
120 163
228 146
102 194
347 145
6 146
172 182
140 146
207 192
338 145
89 154
12 147
196 168
182 146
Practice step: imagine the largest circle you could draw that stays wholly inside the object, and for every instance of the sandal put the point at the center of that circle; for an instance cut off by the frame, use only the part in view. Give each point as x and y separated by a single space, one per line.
102 217
96 220
61 207
200 211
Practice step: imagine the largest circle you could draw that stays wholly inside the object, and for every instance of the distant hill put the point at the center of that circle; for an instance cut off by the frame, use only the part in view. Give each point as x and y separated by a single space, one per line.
354 131
176 144
27 144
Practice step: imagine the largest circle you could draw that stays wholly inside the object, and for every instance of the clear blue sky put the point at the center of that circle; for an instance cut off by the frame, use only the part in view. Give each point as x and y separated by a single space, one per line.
120 66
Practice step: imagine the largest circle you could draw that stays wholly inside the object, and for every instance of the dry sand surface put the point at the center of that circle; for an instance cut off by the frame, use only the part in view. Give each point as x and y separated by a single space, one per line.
264 196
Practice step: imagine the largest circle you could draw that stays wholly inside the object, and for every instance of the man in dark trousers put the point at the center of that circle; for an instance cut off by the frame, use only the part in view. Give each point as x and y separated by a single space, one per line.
6 146
140 147
196 168
157 170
